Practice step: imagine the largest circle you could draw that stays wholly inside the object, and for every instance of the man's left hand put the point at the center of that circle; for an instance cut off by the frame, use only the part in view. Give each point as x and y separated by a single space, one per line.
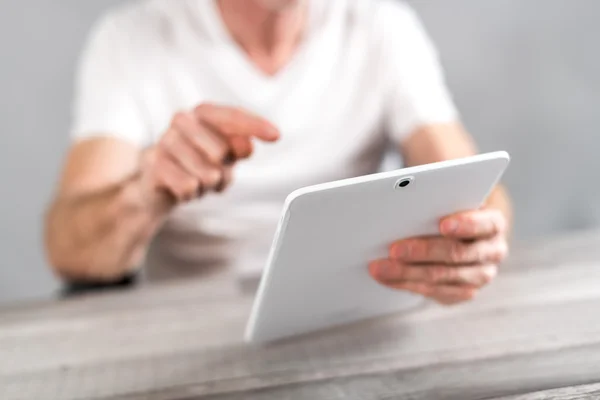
452 267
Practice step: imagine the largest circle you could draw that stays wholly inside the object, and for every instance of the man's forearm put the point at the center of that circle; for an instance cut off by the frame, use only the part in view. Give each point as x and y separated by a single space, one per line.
103 235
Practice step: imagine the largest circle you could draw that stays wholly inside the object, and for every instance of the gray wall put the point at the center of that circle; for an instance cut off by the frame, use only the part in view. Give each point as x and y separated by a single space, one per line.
39 41
524 73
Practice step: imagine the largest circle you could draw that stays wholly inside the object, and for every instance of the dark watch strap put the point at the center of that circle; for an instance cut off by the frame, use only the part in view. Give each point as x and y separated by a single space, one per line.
78 288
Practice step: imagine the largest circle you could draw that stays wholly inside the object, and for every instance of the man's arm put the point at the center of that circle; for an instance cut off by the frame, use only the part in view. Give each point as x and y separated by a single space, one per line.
442 142
113 196
100 221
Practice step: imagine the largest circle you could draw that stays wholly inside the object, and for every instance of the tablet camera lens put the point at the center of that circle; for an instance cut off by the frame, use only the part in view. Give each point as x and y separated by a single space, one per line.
403 182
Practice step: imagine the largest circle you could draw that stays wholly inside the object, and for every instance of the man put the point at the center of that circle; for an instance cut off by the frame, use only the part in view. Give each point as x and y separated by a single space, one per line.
174 98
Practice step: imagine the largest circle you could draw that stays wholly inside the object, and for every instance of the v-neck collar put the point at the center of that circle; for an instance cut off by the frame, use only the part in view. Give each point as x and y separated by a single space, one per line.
221 34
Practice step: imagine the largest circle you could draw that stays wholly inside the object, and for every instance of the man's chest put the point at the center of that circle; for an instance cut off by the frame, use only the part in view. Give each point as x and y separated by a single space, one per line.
316 100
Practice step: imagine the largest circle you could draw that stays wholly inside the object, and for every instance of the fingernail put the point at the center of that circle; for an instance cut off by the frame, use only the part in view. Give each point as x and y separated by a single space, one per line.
450 226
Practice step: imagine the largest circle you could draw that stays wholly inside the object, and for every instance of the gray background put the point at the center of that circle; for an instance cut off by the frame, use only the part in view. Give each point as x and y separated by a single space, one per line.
524 74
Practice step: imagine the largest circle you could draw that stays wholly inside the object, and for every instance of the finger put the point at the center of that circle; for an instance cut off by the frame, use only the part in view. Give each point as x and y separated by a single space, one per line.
236 122
211 178
448 251
474 224
202 139
180 151
445 294
390 272
451 295
242 147
174 179
207 174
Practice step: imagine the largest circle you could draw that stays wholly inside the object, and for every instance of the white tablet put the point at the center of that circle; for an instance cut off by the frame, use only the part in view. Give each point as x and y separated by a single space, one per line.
317 272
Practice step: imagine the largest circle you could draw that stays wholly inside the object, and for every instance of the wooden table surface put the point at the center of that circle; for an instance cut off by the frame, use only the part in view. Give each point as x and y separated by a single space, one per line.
534 334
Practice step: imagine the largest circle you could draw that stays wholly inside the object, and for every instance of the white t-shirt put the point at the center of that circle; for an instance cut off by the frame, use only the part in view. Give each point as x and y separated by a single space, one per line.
365 74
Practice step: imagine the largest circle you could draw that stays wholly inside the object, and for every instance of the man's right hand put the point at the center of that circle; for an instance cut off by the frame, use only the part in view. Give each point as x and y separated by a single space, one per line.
196 154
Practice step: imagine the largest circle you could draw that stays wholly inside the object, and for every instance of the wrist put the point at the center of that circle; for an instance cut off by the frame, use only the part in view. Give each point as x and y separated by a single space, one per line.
153 200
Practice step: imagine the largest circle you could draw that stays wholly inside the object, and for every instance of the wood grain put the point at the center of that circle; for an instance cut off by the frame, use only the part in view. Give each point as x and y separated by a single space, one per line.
535 329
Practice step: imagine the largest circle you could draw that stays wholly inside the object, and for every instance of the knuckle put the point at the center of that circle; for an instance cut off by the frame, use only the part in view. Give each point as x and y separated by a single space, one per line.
214 156
202 109
476 253
502 250
159 179
176 191
179 119
212 177
456 253
499 252
189 187
169 140
437 274
489 273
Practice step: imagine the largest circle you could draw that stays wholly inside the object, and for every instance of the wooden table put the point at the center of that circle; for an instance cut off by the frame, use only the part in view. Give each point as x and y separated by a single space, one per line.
534 334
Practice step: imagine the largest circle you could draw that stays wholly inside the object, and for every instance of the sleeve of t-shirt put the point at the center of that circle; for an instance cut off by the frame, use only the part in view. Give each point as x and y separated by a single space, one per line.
105 98
416 87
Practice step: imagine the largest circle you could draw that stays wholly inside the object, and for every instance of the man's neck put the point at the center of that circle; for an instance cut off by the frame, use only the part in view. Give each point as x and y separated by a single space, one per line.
269 37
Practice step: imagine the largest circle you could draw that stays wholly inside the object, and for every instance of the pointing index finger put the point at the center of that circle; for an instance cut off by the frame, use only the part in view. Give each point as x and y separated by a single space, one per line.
232 122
